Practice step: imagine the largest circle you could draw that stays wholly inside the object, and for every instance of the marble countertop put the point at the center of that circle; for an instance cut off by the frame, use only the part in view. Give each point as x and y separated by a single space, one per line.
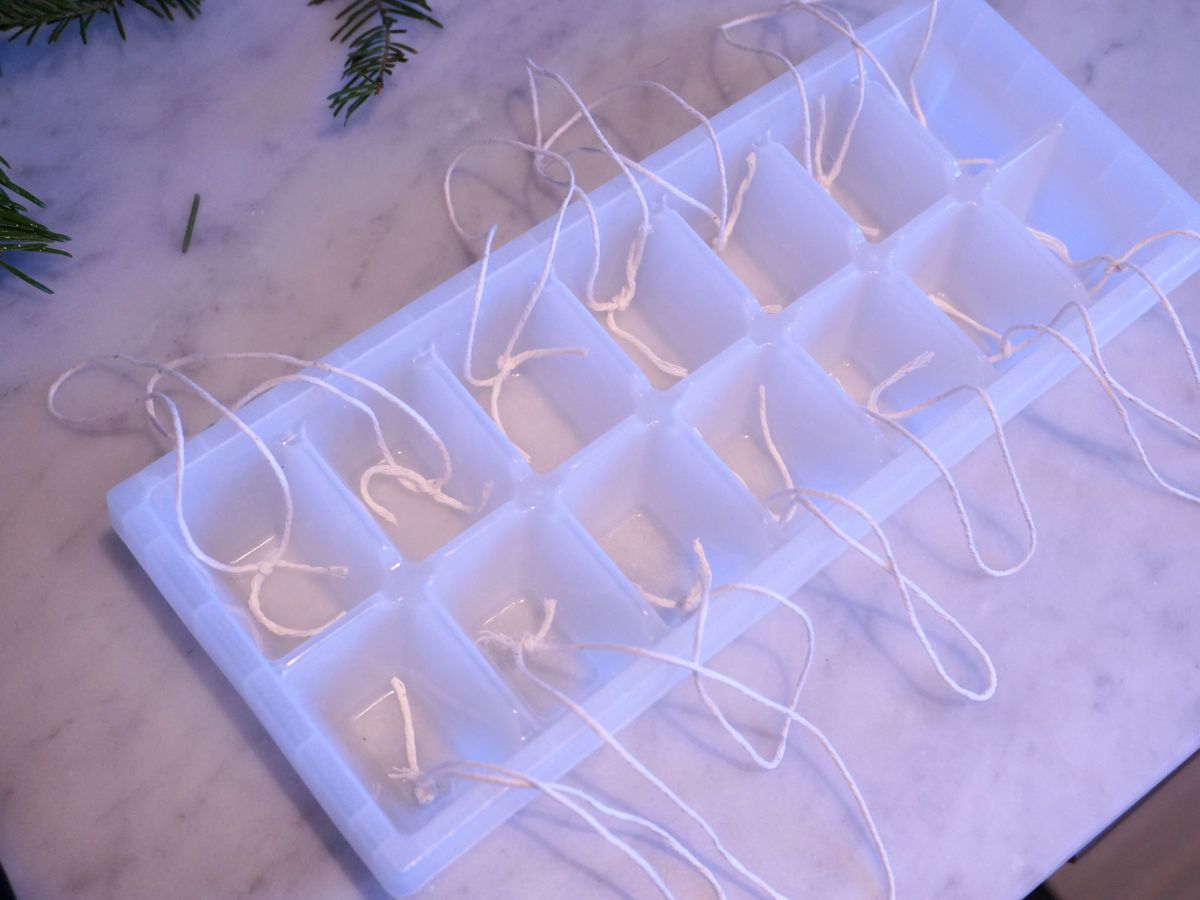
129 768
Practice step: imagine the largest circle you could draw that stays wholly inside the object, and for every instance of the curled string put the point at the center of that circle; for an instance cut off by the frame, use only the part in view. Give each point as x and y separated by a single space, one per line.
408 478
633 261
518 650
718 218
411 480
509 361
700 671
892 420
1112 389
805 496
259 571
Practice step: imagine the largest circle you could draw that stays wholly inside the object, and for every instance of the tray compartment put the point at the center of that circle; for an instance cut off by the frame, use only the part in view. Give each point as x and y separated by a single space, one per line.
499 580
790 235
981 262
826 441
687 307
460 709
553 406
345 438
894 168
1082 183
864 327
984 92
649 491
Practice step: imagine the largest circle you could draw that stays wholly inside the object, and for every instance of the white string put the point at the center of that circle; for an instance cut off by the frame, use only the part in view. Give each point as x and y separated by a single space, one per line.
425 787
719 219
509 361
260 571
891 420
804 496
1112 389
789 713
913 99
624 296
408 478
518 651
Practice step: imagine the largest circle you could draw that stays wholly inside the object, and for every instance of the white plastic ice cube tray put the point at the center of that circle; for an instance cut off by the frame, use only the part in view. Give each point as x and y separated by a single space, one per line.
627 467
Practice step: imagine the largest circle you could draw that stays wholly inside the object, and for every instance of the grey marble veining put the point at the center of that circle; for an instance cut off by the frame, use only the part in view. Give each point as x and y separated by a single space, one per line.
129 768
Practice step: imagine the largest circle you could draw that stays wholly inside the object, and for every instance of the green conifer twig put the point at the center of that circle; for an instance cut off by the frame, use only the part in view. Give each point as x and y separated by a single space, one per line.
21 234
26 18
370 27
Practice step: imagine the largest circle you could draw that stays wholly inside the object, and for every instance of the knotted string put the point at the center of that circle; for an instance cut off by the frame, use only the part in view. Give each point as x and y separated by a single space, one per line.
509 360
259 571
407 478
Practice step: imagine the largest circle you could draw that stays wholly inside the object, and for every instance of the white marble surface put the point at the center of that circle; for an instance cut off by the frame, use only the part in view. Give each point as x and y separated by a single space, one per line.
129 768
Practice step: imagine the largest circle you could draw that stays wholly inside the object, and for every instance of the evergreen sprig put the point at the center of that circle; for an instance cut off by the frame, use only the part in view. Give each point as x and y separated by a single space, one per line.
21 234
371 28
27 18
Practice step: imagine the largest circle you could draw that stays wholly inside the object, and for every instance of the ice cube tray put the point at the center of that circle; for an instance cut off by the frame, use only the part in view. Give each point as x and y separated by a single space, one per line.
627 466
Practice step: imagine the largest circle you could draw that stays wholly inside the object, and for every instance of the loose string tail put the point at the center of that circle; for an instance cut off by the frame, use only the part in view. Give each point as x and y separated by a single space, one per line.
892 421
408 478
805 496
914 100
509 361
259 572
788 712
530 643
622 300
718 217
426 785
1112 389
1116 264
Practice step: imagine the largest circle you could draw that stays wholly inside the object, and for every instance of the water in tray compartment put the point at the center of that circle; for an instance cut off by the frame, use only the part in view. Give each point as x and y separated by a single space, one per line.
499 582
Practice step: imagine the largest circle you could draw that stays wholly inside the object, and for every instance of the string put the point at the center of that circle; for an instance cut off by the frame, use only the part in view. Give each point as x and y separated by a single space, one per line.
913 99
408 478
509 361
719 219
260 571
425 790
1112 389
700 671
518 648
892 420
804 496
414 481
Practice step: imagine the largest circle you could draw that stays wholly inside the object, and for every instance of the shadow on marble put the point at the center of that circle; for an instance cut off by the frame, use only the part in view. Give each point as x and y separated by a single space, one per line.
252 734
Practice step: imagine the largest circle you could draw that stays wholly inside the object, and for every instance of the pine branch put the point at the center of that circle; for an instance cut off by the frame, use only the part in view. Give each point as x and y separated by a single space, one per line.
26 18
370 28
21 234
